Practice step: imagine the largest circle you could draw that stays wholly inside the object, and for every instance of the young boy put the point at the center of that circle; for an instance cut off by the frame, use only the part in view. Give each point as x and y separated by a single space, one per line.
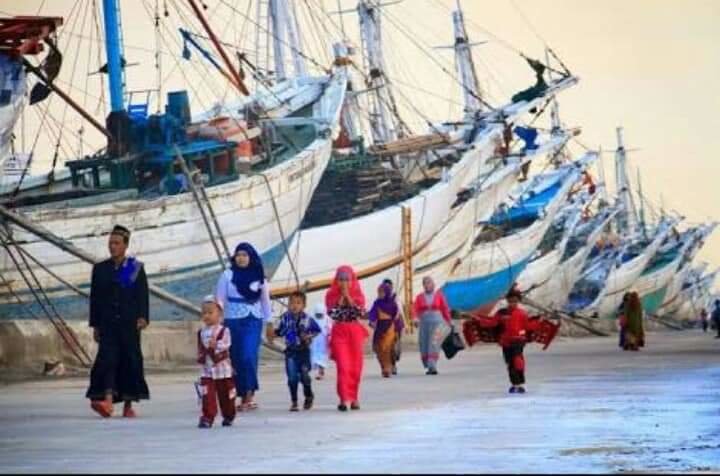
298 329
216 376
514 325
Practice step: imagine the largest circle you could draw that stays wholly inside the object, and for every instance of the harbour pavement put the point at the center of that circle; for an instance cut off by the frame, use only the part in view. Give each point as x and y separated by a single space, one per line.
589 408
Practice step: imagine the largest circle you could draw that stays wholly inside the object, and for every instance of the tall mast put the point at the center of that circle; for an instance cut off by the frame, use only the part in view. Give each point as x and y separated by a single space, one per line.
641 198
556 126
277 20
464 63
293 29
383 128
114 52
285 34
627 218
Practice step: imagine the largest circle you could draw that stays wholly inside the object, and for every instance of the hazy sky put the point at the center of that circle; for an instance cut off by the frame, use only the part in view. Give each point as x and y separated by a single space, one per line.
651 66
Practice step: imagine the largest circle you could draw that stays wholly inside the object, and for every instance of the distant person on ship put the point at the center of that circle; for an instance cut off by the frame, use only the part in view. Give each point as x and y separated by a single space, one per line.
242 292
345 304
119 311
431 314
384 318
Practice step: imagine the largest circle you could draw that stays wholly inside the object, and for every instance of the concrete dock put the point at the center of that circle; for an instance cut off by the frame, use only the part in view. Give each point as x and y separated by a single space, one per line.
590 408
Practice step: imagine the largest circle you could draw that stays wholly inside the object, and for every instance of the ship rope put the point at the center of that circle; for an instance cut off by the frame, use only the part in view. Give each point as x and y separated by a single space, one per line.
434 59
43 300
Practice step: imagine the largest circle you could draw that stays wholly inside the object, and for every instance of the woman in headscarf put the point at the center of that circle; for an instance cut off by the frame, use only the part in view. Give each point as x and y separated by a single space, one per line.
319 347
383 317
242 292
634 332
345 304
622 321
429 311
399 327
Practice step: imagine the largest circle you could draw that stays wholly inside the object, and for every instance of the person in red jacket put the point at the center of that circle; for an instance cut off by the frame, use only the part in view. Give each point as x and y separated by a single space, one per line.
514 325
432 315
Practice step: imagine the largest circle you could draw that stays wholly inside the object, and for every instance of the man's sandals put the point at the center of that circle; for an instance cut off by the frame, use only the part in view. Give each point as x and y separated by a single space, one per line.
102 408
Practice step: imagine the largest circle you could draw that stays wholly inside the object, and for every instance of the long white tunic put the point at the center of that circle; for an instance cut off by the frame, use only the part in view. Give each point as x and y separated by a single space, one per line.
319 346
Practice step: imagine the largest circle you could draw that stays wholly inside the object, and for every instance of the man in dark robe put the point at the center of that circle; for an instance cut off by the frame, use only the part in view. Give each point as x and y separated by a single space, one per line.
119 310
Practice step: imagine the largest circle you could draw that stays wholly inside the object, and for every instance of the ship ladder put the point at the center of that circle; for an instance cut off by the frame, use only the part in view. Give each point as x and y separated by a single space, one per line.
203 203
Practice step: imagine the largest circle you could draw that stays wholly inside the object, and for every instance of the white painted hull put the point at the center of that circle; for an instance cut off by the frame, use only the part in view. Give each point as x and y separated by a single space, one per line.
372 241
554 292
168 232
510 254
655 281
620 280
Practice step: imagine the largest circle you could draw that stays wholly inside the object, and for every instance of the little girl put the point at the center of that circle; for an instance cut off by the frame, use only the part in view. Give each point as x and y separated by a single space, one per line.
319 348
216 375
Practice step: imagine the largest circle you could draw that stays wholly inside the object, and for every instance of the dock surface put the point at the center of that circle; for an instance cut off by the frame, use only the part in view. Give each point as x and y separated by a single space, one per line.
589 408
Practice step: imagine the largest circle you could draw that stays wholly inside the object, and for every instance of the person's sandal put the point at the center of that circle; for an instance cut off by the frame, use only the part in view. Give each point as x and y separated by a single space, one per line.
355 406
129 413
102 408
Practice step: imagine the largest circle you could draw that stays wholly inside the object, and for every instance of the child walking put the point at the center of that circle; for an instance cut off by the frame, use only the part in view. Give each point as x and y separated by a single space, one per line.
319 347
216 376
514 325
298 329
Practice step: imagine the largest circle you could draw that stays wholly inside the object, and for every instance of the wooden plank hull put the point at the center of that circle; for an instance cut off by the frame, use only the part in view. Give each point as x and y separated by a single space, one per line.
168 233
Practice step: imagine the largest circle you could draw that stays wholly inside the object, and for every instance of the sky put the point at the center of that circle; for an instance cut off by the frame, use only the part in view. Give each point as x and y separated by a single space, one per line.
650 66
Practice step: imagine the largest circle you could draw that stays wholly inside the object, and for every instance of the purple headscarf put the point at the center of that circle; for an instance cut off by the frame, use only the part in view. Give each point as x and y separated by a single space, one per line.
385 304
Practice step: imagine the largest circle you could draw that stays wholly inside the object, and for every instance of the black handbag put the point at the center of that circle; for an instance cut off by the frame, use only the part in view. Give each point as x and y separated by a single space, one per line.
452 344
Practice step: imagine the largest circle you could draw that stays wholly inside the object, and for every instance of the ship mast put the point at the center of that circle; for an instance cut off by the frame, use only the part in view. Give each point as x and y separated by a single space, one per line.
282 32
465 65
382 104
627 218
114 52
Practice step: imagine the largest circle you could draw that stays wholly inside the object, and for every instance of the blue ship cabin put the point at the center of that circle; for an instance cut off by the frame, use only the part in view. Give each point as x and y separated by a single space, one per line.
143 153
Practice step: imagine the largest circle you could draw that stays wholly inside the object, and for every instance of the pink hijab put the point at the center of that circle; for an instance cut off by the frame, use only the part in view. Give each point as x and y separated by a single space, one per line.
333 295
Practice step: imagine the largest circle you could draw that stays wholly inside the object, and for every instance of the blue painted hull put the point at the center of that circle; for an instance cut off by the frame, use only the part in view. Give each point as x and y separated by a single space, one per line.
189 283
481 291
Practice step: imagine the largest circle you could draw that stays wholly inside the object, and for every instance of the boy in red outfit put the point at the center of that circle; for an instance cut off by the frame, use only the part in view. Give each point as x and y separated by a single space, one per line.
514 325
216 377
